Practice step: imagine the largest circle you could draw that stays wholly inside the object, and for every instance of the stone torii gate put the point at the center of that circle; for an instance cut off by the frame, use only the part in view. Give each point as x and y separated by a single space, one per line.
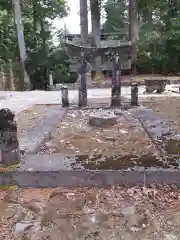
85 54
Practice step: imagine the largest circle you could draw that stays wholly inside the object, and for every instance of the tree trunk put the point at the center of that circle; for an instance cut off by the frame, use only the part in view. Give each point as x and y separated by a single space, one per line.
133 30
26 84
83 67
147 17
34 2
2 78
172 13
84 21
44 41
7 77
96 32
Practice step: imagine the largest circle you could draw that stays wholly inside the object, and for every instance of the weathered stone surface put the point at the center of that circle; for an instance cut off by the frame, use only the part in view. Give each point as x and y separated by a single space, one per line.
173 145
170 177
54 162
134 94
83 83
9 145
48 178
157 127
134 176
116 82
152 85
118 111
65 96
160 130
42 130
155 176
129 210
10 157
102 119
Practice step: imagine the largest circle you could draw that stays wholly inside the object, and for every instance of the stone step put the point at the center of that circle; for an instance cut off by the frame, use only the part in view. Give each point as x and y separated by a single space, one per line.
56 170
37 179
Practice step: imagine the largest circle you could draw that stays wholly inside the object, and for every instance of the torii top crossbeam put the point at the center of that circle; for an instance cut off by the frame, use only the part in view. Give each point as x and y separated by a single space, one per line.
89 51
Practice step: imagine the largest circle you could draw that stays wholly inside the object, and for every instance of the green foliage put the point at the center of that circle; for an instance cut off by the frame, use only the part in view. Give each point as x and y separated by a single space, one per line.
37 19
57 62
159 49
116 15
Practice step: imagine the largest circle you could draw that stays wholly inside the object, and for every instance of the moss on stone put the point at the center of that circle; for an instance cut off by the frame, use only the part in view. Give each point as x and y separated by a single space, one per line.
9 168
8 187
173 146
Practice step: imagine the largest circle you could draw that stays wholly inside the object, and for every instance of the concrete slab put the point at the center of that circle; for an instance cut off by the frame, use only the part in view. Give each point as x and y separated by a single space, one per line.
157 127
42 130
53 162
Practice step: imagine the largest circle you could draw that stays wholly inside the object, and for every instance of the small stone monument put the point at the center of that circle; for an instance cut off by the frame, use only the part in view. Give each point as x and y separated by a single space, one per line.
116 82
134 94
64 95
51 80
9 145
102 119
83 81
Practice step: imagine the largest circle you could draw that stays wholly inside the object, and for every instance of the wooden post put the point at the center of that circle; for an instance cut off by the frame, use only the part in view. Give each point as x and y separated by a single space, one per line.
134 94
83 82
116 82
9 145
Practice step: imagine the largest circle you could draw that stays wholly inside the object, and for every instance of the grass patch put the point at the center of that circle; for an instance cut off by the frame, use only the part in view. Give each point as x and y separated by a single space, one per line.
9 168
7 187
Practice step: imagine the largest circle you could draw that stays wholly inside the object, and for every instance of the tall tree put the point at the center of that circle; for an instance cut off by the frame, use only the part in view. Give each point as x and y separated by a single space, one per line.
25 81
95 6
84 20
133 30
83 67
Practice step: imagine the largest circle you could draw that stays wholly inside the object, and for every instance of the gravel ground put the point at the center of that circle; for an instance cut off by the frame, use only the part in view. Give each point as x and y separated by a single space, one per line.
168 108
115 213
118 147
99 213
75 135
11 201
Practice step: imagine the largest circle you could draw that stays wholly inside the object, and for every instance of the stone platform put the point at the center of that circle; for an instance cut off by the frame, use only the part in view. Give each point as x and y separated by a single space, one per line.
53 170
